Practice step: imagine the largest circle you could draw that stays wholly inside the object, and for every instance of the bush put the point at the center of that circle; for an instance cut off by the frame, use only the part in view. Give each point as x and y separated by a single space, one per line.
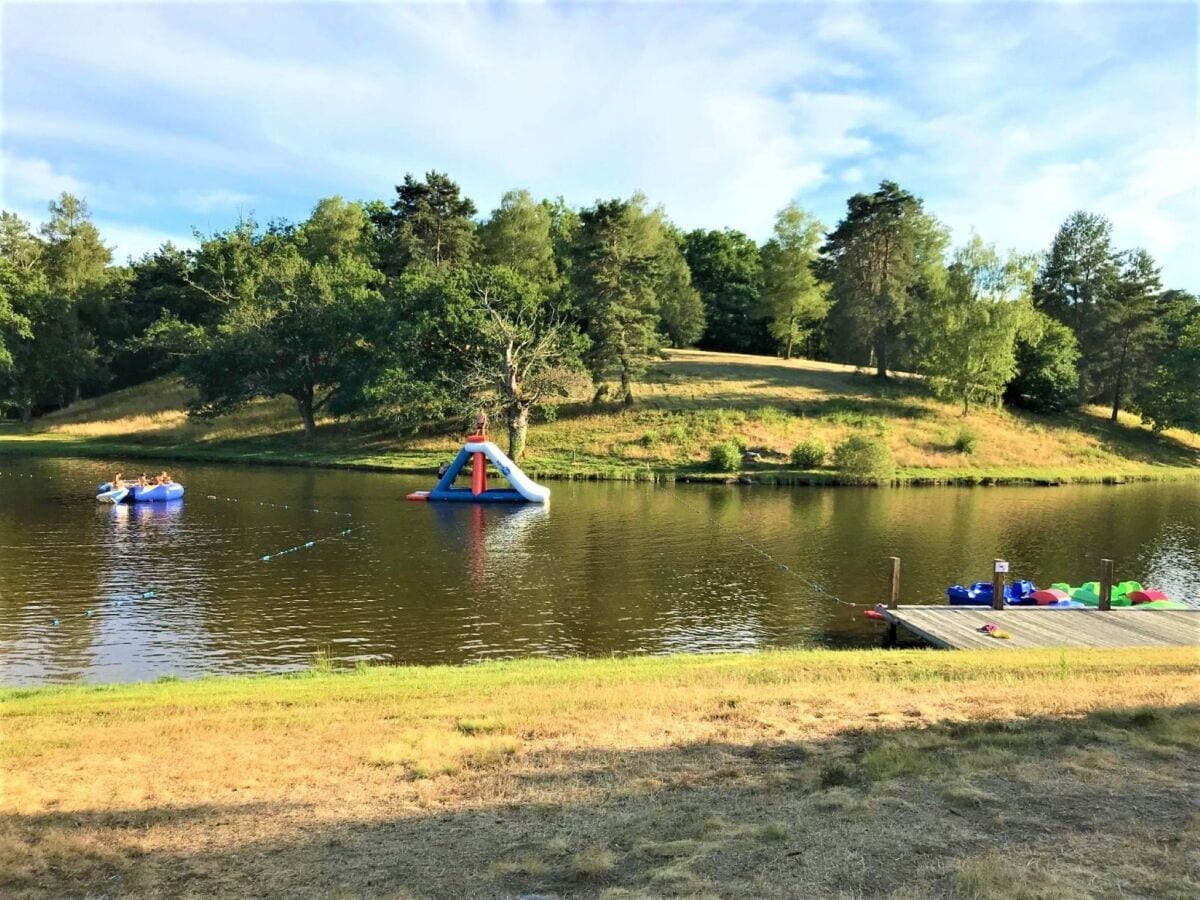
864 458
677 435
649 439
809 455
1047 377
967 440
725 457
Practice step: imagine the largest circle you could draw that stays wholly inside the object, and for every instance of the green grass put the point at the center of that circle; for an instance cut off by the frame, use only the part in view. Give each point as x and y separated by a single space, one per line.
779 774
685 405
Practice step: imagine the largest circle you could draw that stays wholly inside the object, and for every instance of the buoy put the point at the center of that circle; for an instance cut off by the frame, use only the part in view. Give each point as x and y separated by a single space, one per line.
874 614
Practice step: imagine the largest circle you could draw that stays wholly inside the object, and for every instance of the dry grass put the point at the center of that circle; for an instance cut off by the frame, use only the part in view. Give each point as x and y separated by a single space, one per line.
816 773
685 405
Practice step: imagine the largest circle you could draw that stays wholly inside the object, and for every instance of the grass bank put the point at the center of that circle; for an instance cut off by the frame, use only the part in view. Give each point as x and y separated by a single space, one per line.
817 773
685 404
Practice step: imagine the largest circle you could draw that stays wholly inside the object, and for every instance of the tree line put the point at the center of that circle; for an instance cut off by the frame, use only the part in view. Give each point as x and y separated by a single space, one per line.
419 309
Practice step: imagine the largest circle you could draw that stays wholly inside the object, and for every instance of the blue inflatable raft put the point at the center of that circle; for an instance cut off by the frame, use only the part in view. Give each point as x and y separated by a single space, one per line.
151 493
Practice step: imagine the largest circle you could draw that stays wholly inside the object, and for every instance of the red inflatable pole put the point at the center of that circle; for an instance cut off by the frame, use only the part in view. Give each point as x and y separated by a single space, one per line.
478 468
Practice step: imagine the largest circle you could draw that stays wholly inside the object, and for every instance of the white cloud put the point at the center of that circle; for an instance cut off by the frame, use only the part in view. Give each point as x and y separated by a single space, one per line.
32 179
1003 119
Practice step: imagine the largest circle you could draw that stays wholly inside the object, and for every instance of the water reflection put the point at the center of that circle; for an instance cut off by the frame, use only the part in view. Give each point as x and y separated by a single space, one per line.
607 568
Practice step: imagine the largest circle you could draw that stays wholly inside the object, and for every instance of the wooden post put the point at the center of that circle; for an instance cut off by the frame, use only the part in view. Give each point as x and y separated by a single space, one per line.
1106 583
894 594
998 584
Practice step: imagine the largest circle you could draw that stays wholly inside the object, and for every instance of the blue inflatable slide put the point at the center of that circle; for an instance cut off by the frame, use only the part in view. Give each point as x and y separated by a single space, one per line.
479 451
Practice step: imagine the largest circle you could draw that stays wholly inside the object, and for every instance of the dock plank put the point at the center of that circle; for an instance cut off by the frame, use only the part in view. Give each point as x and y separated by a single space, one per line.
957 627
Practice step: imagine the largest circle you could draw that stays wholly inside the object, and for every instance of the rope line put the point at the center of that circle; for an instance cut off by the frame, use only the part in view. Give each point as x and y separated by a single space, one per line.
329 537
328 512
814 586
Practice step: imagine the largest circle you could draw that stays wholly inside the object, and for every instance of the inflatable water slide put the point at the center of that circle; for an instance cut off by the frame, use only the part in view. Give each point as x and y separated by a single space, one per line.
479 451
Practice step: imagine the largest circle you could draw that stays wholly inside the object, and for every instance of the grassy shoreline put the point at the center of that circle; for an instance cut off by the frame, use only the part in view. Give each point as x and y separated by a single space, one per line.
425 462
686 403
787 773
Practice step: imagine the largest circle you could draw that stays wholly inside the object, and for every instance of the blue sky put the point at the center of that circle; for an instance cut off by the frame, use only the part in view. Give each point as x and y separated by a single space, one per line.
1003 117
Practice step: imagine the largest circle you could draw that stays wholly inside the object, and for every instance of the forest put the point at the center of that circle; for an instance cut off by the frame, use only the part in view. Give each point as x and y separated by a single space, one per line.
420 308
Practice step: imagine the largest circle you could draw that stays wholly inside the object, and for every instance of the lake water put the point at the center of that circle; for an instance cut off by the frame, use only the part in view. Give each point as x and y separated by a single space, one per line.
607 568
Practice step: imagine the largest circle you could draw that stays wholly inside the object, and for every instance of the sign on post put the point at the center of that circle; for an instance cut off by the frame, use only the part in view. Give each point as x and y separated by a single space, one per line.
1001 566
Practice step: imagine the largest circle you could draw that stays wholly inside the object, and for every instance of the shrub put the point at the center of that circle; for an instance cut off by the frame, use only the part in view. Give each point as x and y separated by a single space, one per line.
864 458
649 439
809 454
967 440
725 457
677 435
1047 375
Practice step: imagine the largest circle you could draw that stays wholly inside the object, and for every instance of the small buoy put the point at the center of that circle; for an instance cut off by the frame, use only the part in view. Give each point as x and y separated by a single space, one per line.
88 613
55 622
267 557
873 614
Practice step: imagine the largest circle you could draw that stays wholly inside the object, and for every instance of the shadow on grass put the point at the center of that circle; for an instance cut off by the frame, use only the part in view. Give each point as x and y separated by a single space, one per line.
1012 808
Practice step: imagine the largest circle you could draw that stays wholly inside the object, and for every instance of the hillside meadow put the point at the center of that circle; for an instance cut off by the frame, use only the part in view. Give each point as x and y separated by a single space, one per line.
685 404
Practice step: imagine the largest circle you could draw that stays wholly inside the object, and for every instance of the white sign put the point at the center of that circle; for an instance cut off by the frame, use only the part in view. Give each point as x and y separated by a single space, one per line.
1001 565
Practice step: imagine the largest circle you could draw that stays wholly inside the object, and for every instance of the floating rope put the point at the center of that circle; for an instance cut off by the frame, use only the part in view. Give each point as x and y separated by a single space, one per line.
121 600
814 586
328 512
331 537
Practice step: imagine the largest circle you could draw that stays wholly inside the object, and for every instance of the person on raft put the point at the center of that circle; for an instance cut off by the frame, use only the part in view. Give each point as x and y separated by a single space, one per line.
142 482
118 482
163 478
481 423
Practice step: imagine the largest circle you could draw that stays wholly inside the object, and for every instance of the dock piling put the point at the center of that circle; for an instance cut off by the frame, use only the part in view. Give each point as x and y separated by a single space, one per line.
1106 583
998 570
894 575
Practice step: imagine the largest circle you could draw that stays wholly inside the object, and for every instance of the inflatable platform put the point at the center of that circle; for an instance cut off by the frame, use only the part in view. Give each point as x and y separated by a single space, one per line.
479 452
151 493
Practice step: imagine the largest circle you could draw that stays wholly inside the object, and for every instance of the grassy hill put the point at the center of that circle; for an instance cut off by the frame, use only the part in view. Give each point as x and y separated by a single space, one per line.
685 404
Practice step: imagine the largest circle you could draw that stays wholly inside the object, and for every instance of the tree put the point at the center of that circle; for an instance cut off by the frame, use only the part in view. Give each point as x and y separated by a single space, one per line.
518 235
726 270
796 299
296 321
617 273
429 225
1075 281
968 333
876 259
1170 397
1131 318
478 337
14 327
1047 378
75 262
681 308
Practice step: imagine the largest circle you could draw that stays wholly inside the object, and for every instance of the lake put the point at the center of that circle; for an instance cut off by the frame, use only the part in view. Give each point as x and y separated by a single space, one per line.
606 568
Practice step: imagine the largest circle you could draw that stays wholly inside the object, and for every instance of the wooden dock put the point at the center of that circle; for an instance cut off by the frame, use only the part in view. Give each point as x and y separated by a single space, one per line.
957 627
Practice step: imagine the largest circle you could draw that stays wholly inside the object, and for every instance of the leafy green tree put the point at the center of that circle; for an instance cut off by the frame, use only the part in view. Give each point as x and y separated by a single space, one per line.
968 333
883 252
795 297
76 263
1132 319
337 229
564 229
617 271
14 327
1170 397
429 225
726 270
681 308
1047 378
518 235
1077 278
481 337
296 323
